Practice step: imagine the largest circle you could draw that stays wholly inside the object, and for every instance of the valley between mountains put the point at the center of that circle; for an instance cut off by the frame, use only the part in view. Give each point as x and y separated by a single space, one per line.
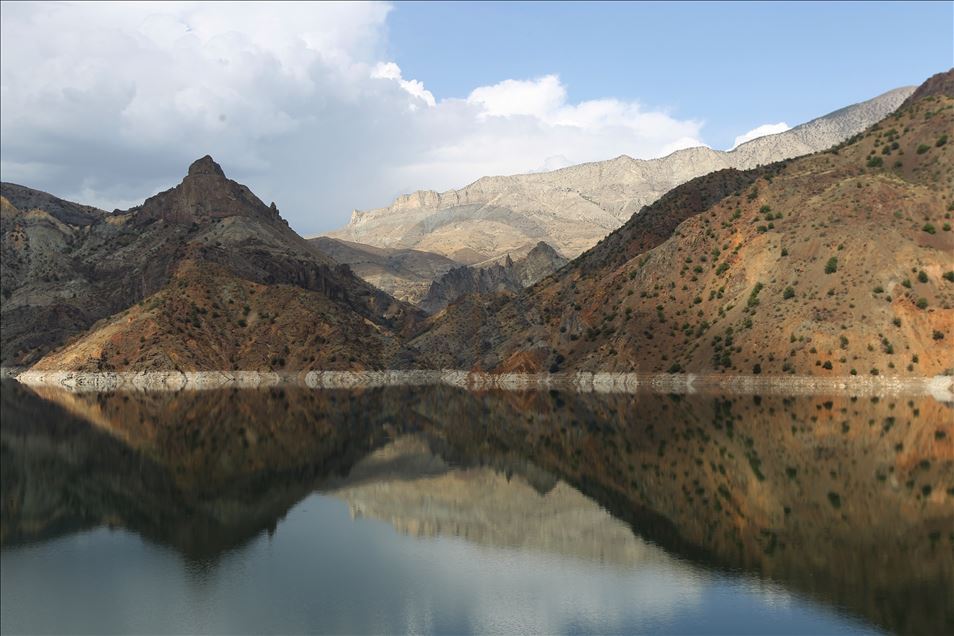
835 263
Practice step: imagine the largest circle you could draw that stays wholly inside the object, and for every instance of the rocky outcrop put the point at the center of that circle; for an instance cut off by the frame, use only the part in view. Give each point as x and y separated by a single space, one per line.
573 208
203 196
507 277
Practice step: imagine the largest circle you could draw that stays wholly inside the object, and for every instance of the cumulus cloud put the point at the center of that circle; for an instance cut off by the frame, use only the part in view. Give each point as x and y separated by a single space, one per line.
108 103
761 131
391 71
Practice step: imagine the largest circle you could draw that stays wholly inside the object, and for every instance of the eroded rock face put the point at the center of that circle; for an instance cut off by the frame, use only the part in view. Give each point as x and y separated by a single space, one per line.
573 208
508 277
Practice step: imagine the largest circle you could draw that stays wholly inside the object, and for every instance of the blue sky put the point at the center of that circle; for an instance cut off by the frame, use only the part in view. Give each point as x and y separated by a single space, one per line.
734 65
329 107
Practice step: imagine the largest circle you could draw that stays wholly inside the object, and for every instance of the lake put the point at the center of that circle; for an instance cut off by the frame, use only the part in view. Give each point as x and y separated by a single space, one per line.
434 509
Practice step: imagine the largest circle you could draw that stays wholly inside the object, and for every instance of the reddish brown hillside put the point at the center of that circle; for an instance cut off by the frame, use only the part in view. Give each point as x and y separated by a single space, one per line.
837 263
209 319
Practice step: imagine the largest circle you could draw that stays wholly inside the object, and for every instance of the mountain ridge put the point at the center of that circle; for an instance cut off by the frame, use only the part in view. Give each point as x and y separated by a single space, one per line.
572 208
679 287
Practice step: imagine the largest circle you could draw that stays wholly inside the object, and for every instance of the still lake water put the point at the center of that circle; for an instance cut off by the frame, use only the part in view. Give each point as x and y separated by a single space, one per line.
434 509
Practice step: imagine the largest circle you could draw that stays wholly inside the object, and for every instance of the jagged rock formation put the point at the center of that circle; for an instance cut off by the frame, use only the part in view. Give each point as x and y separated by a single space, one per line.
573 208
835 263
204 275
507 277
405 274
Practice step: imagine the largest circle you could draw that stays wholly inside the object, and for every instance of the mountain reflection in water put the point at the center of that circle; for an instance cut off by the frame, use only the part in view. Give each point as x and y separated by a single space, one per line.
842 506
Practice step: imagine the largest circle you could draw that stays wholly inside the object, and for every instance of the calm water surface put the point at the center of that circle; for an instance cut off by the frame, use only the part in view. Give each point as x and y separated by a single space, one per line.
432 509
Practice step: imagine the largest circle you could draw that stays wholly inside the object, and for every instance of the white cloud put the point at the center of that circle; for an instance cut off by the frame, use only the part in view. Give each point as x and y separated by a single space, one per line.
108 103
761 131
538 98
391 71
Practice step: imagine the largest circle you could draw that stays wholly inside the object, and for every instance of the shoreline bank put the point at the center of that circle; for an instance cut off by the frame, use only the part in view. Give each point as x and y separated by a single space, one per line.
940 387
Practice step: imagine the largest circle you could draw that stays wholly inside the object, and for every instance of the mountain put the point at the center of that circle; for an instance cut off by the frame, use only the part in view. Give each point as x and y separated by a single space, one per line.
835 263
405 274
573 208
201 276
507 277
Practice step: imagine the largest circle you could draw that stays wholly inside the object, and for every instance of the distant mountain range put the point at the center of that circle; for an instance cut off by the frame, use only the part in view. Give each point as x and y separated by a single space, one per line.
834 263
573 208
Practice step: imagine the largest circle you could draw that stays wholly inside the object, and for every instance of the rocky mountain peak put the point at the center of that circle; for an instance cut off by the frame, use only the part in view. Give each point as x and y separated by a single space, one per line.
206 166
203 195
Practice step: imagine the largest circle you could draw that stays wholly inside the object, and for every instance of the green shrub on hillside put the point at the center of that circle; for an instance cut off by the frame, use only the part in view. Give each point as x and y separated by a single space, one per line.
832 265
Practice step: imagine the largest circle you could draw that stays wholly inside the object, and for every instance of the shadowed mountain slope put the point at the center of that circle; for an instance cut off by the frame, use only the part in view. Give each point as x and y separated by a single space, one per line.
405 274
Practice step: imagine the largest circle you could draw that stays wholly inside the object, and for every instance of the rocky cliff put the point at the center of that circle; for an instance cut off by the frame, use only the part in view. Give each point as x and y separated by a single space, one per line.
508 277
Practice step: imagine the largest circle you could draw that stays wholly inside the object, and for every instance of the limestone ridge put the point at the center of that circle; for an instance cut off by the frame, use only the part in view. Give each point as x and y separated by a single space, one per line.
573 208
509 277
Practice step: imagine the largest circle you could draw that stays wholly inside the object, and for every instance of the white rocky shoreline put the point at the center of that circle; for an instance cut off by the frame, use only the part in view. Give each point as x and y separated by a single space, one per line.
940 387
